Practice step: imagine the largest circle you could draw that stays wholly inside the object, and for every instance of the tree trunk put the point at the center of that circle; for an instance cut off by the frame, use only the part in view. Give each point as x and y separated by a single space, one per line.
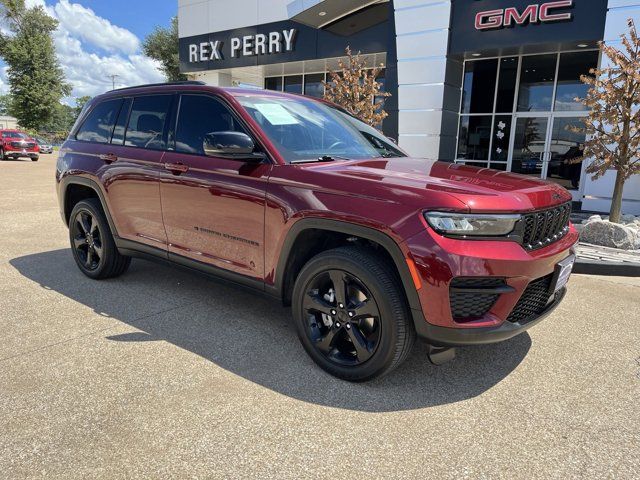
616 200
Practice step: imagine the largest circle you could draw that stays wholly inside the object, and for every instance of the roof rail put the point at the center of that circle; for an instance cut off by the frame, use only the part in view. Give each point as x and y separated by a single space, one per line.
184 82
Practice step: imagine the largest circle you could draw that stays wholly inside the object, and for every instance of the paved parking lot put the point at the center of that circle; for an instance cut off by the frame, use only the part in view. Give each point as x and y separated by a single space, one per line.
164 373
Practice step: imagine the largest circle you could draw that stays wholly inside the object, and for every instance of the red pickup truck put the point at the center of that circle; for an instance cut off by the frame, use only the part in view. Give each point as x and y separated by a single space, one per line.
296 198
17 144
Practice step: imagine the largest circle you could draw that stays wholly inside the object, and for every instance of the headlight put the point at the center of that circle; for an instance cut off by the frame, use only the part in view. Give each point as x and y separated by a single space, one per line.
483 225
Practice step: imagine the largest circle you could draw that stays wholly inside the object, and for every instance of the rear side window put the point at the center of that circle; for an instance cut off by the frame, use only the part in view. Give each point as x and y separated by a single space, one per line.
98 125
147 122
199 115
121 123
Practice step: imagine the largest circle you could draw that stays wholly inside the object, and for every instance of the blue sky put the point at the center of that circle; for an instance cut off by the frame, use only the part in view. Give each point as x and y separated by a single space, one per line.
98 38
138 16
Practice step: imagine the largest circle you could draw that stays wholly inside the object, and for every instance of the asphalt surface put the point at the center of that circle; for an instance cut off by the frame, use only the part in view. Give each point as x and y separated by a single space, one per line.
164 373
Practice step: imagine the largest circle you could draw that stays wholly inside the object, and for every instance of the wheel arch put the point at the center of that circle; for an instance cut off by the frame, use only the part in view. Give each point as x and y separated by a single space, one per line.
285 275
74 189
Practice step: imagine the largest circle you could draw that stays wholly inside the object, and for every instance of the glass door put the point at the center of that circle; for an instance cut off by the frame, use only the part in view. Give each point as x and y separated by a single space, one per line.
566 143
529 145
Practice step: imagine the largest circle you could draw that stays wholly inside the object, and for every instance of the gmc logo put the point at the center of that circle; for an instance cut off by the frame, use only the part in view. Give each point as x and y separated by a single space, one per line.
507 17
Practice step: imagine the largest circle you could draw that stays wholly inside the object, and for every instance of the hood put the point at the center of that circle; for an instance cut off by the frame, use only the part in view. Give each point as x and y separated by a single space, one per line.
480 189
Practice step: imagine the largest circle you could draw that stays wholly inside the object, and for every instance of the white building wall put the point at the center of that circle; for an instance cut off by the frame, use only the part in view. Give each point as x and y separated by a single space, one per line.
597 194
422 30
197 17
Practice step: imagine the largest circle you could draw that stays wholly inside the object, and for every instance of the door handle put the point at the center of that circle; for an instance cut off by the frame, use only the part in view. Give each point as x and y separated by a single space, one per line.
109 157
176 168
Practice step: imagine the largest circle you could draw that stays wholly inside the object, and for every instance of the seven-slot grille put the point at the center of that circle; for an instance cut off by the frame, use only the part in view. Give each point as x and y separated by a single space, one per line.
533 301
545 227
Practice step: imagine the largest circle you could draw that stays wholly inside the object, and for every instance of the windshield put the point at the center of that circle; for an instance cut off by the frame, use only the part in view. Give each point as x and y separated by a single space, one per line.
13 135
303 129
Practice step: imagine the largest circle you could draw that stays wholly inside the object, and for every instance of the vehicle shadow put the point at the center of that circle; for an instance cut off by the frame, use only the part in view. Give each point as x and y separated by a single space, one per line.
253 336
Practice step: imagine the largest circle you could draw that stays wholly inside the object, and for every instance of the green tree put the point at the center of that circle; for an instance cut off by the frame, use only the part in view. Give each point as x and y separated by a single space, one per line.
162 45
80 103
62 119
36 81
5 104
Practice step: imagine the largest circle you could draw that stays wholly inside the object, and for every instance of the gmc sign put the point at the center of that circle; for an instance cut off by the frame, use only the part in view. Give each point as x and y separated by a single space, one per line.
535 13
505 27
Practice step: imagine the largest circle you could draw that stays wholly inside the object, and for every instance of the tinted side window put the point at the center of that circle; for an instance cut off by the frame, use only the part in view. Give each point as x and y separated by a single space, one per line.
147 121
98 125
199 115
121 123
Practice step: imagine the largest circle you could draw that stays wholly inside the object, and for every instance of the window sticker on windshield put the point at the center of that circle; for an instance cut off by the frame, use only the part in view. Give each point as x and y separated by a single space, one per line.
276 114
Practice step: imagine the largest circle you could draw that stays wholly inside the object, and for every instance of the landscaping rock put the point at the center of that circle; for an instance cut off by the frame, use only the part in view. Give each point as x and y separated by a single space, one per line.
610 235
594 218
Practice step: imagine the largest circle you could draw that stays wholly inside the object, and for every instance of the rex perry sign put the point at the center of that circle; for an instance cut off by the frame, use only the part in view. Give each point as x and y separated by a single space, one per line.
244 46
534 13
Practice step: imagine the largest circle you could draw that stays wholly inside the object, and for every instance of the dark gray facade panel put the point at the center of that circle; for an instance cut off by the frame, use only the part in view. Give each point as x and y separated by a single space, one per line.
447 151
308 44
486 26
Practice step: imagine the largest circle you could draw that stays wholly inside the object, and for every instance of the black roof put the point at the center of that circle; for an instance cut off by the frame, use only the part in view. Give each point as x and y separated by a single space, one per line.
185 82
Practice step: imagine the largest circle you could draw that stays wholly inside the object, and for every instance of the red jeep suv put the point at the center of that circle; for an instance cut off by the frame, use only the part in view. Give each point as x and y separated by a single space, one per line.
296 198
16 144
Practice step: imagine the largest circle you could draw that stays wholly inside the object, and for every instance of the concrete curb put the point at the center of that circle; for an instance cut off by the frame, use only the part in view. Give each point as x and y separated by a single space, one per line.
592 267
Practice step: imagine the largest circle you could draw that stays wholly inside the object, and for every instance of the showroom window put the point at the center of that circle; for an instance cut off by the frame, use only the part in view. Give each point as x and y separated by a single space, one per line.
479 80
497 92
311 84
293 84
570 67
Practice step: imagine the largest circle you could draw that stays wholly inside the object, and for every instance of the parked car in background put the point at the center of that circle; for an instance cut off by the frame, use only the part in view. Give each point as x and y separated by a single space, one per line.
45 145
17 144
298 199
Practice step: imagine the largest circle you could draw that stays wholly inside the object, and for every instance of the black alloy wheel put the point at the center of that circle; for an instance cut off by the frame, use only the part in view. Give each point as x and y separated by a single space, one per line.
343 319
92 243
351 313
87 240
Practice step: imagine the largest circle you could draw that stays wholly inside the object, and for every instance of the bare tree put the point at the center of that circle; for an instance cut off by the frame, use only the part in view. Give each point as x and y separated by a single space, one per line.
613 138
355 88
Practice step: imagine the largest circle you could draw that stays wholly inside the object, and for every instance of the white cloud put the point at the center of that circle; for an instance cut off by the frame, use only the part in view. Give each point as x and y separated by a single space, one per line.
34 3
4 86
88 72
83 23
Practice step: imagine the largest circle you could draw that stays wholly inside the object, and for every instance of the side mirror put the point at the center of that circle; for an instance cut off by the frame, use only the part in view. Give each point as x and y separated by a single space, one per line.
230 144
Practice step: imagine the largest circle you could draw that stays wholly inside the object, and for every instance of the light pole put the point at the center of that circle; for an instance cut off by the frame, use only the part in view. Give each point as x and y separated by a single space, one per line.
113 80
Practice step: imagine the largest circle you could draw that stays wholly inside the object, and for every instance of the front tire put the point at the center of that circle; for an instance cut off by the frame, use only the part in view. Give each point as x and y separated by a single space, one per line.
2 157
351 314
92 244
34 159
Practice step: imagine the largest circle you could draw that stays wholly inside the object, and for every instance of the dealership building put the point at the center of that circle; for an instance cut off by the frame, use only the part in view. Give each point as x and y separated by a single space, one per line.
490 83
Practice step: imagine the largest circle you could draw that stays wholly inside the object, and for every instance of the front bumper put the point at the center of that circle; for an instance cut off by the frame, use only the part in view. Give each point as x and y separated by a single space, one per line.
452 337
20 153
439 260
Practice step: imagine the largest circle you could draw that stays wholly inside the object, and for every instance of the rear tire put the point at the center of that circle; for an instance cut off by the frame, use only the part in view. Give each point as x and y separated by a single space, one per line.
35 159
92 244
2 157
362 330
